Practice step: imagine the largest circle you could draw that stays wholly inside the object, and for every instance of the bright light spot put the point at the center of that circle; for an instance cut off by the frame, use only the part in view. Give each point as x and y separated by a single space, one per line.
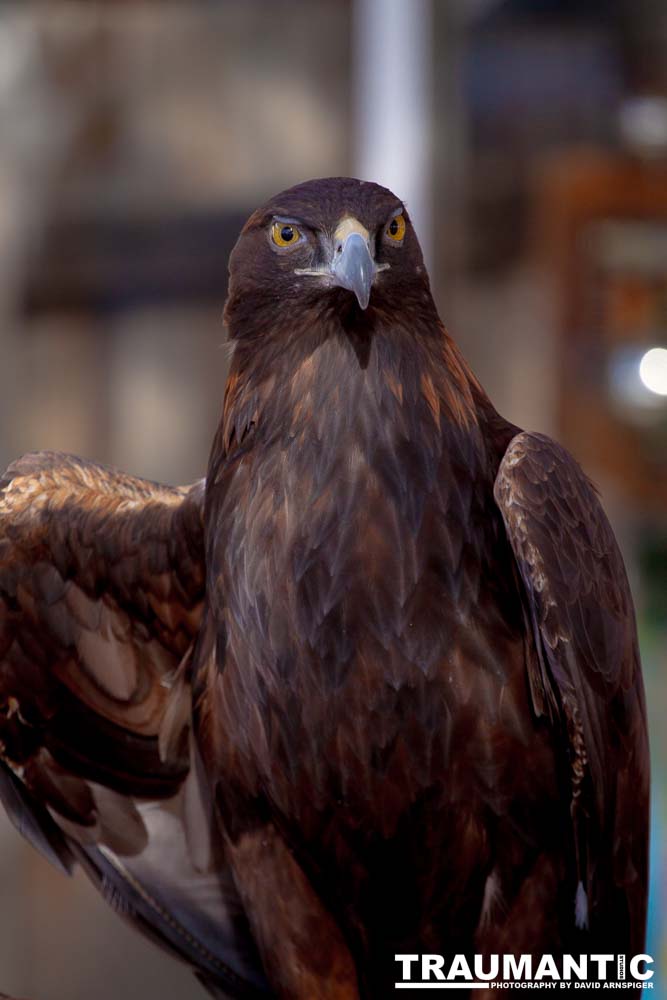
653 370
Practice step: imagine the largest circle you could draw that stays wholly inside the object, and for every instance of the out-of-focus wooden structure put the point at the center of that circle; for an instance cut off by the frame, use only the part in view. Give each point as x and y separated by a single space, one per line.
603 229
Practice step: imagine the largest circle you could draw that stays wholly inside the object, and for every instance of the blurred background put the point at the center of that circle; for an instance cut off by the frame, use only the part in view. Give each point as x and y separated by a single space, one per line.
529 140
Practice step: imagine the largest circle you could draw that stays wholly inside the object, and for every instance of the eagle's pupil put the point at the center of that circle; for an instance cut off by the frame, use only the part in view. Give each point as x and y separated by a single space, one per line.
393 227
287 234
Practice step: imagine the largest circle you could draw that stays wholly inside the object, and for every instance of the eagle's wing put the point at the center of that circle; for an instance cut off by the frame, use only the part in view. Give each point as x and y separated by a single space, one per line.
101 594
587 675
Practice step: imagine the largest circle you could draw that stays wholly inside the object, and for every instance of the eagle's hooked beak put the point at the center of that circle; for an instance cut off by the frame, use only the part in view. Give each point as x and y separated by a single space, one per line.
353 266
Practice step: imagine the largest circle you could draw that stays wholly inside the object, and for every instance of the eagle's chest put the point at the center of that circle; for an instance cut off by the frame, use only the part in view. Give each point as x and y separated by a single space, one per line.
326 522
352 570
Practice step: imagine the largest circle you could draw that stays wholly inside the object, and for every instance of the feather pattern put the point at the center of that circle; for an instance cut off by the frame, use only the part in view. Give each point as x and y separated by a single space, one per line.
580 605
101 595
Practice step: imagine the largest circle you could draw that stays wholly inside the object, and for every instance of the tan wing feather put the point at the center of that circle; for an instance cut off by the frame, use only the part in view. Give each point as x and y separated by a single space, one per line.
101 590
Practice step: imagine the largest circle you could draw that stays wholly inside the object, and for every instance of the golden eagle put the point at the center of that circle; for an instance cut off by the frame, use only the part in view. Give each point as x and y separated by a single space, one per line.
370 689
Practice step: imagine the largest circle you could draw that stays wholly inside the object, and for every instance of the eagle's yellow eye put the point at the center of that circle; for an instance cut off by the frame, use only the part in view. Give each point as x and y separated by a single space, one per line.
284 234
396 228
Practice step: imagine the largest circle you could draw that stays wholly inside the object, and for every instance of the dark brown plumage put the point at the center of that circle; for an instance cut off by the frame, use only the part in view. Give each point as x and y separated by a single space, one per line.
414 689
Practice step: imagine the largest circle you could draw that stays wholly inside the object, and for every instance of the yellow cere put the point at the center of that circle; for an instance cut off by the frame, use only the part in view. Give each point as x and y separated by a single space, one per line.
284 234
396 228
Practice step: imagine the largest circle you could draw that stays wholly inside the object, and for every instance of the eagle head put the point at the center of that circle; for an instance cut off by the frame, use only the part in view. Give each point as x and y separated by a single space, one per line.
335 245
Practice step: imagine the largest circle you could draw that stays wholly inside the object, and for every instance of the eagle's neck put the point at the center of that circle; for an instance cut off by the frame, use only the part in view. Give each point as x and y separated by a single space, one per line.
329 391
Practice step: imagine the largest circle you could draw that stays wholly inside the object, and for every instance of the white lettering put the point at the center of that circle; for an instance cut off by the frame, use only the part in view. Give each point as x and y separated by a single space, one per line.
523 969
479 967
432 964
547 967
634 967
459 967
571 965
517 970
602 963
406 961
